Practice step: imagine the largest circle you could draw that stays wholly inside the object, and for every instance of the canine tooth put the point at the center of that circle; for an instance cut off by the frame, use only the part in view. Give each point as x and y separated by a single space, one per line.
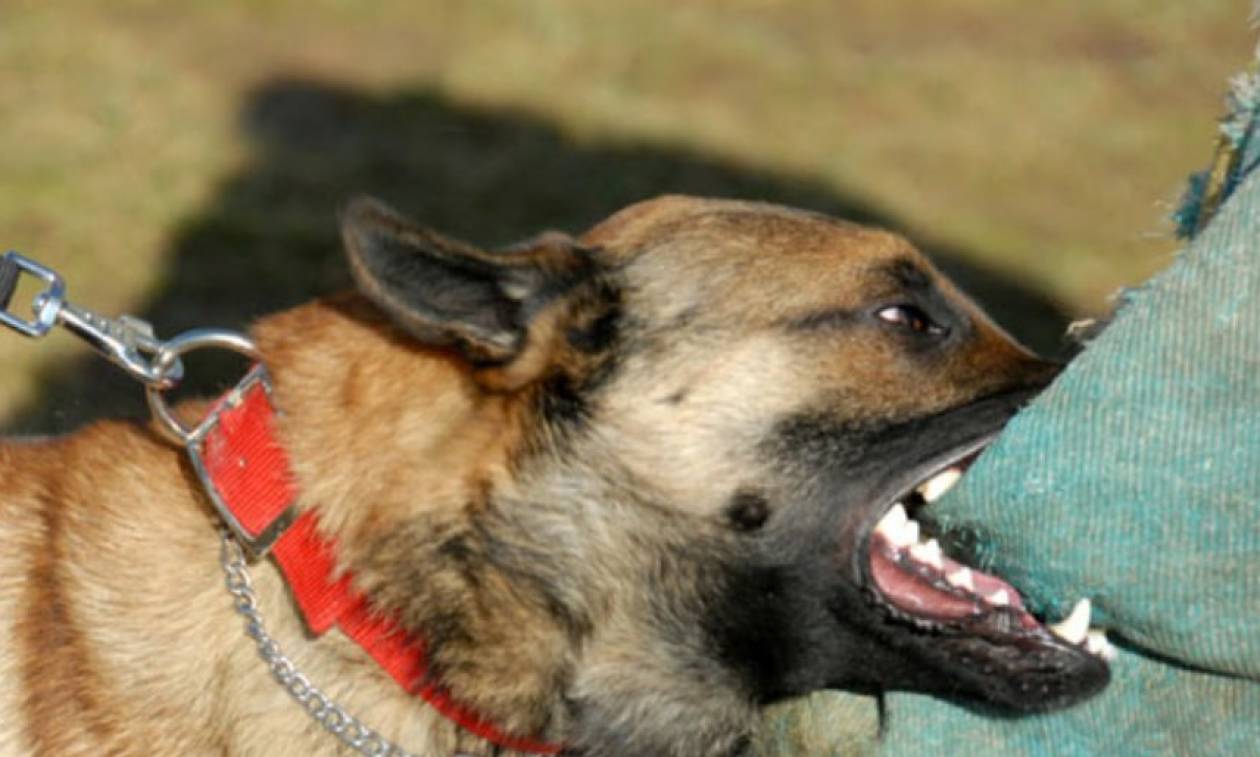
999 598
930 553
1096 644
932 489
1074 628
962 579
892 523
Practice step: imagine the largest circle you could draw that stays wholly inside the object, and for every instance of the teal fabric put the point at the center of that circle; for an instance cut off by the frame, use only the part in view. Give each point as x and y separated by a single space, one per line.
1237 154
1135 481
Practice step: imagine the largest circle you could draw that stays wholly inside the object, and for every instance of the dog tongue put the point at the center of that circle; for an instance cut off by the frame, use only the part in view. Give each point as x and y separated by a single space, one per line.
907 590
921 587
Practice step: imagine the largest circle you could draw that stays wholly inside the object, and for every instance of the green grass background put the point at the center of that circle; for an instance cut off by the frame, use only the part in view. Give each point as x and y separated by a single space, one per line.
185 161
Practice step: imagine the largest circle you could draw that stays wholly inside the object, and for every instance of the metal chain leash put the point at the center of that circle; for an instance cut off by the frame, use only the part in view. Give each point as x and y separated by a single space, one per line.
330 715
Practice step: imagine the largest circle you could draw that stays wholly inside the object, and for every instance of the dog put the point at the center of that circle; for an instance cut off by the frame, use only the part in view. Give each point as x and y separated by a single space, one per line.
624 489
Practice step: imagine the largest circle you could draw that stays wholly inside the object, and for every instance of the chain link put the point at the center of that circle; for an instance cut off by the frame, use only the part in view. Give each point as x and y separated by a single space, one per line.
330 715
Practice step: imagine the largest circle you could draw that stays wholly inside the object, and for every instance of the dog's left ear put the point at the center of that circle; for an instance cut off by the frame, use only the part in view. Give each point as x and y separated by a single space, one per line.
448 293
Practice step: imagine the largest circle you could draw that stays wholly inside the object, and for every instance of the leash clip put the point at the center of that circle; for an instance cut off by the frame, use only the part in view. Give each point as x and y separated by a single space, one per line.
241 468
127 342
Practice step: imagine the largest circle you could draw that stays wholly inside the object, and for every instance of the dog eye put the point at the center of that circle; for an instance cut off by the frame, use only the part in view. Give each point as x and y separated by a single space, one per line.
909 317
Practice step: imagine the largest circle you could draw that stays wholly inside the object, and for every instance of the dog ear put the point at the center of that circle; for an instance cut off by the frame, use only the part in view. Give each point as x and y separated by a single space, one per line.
449 293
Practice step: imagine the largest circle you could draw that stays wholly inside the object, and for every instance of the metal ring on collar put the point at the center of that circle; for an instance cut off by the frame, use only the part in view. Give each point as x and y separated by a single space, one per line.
167 358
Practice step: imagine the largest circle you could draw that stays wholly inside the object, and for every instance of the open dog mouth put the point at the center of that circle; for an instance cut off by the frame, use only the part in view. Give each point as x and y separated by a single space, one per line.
919 585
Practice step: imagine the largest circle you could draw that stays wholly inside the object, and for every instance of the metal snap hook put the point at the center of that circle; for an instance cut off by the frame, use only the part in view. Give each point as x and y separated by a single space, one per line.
127 341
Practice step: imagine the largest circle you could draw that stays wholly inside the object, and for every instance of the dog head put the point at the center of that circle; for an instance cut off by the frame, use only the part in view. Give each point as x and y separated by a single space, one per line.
724 410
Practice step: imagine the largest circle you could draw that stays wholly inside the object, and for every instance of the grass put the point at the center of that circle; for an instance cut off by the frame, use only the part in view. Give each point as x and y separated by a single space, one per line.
185 161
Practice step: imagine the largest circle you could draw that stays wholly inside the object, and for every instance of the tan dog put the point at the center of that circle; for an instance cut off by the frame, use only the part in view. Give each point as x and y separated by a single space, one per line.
626 488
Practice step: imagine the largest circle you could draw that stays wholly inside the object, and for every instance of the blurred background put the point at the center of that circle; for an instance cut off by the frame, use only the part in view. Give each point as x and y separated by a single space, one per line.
185 161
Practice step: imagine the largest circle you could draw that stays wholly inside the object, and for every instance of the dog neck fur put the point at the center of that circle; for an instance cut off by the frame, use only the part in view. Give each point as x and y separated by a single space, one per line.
439 506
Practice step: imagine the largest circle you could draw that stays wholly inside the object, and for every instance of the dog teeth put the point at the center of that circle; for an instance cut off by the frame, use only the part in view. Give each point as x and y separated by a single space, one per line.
1075 626
932 489
999 598
910 534
961 578
897 528
929 553
893 521
1096 644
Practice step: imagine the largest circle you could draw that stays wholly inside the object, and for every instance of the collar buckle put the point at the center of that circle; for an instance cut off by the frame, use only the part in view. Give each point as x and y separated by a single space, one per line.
242 468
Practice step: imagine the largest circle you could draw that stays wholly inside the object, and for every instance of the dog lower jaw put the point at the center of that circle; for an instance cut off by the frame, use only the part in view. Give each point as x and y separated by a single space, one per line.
938 598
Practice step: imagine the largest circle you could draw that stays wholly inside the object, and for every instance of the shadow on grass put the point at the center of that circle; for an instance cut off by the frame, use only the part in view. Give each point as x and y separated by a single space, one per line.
269 239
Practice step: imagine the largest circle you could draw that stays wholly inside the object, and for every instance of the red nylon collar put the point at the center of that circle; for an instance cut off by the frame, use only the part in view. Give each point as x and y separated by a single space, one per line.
247 474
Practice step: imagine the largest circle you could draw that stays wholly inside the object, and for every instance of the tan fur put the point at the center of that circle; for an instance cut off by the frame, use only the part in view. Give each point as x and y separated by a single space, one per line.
536 569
